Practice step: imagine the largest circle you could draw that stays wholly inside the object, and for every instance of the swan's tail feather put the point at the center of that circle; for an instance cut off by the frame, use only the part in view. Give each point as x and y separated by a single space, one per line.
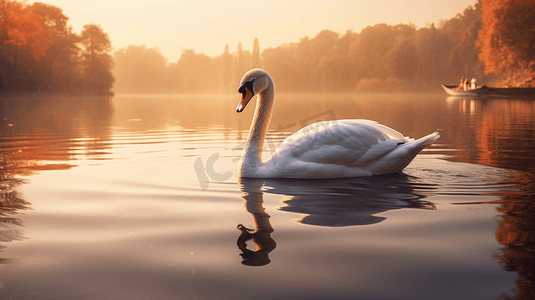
428 139
396 160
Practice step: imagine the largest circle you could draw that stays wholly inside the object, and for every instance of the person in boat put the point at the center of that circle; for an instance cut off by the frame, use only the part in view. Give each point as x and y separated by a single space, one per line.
473 84
465 84
460 87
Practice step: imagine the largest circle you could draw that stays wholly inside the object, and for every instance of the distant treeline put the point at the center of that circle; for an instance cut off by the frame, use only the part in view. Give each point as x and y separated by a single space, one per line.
40 53
492 41
381 58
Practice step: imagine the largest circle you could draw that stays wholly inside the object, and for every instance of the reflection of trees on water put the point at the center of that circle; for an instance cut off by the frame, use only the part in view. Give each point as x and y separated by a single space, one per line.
53 129
331 202
45 133
503 139
516 231
10 204
501 129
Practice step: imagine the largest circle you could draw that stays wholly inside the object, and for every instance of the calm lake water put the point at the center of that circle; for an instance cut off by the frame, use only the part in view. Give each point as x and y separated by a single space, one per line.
137 197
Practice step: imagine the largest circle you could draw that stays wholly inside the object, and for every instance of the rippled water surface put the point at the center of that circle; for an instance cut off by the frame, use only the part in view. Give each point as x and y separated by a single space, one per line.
137 197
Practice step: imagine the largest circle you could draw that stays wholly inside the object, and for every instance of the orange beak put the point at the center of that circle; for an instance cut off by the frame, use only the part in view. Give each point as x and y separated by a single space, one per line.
246 97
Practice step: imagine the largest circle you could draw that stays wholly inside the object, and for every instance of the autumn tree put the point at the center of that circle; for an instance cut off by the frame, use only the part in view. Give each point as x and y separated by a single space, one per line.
22 28
40 52
96 60
507 38
58 68
22 33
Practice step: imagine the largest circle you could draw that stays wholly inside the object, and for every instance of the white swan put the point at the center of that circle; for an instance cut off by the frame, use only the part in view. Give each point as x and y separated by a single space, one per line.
331 149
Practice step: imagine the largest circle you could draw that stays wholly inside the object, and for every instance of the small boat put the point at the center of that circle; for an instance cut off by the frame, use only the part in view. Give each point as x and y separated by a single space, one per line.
489 91
453 91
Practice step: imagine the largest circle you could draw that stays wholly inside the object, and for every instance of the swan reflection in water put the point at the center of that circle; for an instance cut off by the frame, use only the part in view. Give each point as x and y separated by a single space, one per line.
324 202
261 235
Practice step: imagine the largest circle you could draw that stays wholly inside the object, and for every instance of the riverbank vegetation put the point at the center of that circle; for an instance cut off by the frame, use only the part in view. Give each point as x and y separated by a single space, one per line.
381 58
507 41
39 52
491 40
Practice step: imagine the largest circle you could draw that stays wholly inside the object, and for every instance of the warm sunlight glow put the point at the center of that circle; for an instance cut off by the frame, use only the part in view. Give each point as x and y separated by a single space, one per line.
286 149
207 26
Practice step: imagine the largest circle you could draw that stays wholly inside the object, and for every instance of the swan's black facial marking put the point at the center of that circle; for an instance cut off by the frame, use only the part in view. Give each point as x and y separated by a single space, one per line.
246 87
247 93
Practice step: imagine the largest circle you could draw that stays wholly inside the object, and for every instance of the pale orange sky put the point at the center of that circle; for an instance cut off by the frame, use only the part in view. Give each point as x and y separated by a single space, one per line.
206 26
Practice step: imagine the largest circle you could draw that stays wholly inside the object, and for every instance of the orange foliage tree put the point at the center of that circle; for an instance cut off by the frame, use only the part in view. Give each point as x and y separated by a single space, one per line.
39 52
58 70
507 37
21 31
22 28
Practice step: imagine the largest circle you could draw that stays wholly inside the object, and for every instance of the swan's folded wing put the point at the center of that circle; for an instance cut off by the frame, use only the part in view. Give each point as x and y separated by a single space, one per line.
343 142
385 129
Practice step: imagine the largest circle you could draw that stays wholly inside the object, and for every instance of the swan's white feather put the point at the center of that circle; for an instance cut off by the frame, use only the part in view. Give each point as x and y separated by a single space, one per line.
329 149
345 142
342 148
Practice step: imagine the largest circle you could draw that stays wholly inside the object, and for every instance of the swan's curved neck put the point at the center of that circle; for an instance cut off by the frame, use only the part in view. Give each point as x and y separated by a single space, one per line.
252 153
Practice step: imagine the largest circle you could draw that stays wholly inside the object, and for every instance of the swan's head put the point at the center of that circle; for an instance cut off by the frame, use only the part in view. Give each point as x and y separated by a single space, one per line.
253 82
